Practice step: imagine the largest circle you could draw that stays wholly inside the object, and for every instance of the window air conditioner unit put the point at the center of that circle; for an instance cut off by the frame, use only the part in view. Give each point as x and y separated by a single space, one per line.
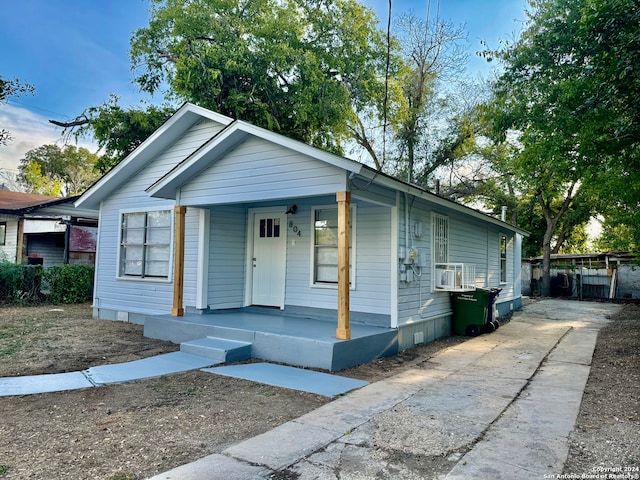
446 279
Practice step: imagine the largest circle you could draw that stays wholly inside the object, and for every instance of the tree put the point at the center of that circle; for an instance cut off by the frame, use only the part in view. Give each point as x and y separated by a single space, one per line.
55 171
424 58
433 53
296 67
573 105
11 88
118 131
618 237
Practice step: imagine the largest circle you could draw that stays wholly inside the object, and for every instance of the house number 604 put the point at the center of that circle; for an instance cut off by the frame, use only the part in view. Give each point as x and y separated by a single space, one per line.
295 229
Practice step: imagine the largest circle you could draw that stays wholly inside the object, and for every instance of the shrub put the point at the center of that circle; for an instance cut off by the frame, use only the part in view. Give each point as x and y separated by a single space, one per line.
20 284
69 283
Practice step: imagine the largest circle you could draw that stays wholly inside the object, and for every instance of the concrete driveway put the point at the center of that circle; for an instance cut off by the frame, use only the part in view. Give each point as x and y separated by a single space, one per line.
498 406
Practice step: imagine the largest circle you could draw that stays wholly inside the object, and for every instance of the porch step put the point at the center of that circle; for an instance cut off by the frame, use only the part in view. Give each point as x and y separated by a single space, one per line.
219 349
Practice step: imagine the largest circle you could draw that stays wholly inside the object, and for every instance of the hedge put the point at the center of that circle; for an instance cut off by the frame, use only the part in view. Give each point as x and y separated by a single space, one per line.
33 284
20 284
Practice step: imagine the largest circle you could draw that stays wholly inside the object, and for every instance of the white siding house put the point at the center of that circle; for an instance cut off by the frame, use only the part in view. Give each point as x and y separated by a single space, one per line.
8 238
261 230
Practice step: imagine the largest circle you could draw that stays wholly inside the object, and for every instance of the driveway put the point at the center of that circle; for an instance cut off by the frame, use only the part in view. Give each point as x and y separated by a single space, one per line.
500 405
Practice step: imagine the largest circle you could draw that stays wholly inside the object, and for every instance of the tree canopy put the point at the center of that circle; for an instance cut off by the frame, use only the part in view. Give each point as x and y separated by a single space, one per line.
51 170
568 89
321 72
400 129
296 67
118 131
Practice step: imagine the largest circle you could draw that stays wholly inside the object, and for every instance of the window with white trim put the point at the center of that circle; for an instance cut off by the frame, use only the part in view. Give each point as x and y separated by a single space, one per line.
3 233
325 246
503 259
145 245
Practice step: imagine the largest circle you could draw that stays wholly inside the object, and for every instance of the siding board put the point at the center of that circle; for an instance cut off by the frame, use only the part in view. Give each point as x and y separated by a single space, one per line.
9 249
259 171
143 296
373 235
227 256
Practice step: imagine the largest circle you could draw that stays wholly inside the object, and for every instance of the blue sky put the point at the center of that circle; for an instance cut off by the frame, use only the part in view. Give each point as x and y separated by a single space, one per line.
76 53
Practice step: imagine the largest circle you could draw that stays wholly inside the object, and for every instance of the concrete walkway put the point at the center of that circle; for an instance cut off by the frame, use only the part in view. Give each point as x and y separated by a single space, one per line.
165 364
326 384
498 406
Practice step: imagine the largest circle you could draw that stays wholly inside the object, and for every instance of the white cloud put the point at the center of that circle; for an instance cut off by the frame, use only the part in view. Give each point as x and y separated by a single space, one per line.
28 131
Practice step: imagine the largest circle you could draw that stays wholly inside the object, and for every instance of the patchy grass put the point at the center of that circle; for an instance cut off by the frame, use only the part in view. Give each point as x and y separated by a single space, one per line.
16 335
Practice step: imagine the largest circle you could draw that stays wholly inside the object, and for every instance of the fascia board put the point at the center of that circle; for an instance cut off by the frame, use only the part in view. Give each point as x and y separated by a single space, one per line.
442 202
186 116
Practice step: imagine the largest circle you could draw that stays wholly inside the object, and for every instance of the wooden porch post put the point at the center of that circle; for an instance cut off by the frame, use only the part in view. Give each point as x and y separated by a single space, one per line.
343 332
178 263
20 247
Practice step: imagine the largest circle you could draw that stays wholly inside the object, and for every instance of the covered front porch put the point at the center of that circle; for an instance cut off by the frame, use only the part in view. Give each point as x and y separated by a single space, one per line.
273 335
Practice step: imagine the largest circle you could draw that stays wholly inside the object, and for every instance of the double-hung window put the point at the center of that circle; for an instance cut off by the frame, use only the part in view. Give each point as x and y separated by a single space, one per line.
503 259
325 246
145 245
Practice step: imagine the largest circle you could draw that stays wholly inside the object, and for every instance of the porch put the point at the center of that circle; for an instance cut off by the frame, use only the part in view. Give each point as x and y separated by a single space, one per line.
299 340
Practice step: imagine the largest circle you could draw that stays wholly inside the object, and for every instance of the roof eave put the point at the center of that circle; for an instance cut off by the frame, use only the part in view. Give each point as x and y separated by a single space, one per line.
186 116
404 187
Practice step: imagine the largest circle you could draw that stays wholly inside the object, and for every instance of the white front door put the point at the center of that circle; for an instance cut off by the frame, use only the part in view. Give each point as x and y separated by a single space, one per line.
269 259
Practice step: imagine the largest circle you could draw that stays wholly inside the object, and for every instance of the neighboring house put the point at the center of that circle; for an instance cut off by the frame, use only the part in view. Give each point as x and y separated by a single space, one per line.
46 230
211 214
604 275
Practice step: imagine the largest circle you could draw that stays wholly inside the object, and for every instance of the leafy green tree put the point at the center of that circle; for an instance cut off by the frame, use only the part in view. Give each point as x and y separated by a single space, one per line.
118 131
616 238
11 88
55 171
34 180
297 67
568 87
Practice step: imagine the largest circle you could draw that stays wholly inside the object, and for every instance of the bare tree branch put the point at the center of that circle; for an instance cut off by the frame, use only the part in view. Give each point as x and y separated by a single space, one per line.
77 122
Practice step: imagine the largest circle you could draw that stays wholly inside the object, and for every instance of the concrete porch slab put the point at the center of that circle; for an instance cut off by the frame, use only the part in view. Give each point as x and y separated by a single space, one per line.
276 337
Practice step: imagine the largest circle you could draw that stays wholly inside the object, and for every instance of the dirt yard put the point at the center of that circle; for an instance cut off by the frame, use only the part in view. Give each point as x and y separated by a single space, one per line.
136 430
606 439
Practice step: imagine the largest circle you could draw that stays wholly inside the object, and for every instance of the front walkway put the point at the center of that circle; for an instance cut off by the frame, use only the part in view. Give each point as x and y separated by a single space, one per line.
498 406
177 362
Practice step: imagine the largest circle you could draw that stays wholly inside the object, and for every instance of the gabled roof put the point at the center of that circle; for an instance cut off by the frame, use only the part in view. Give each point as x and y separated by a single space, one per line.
18 203
30 205
226 140
183 119
235 132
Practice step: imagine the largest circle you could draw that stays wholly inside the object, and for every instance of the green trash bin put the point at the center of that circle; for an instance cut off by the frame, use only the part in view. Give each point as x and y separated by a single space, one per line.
470 311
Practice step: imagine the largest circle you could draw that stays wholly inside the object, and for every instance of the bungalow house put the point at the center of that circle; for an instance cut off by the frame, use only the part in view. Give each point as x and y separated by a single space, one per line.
213 227
45 230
